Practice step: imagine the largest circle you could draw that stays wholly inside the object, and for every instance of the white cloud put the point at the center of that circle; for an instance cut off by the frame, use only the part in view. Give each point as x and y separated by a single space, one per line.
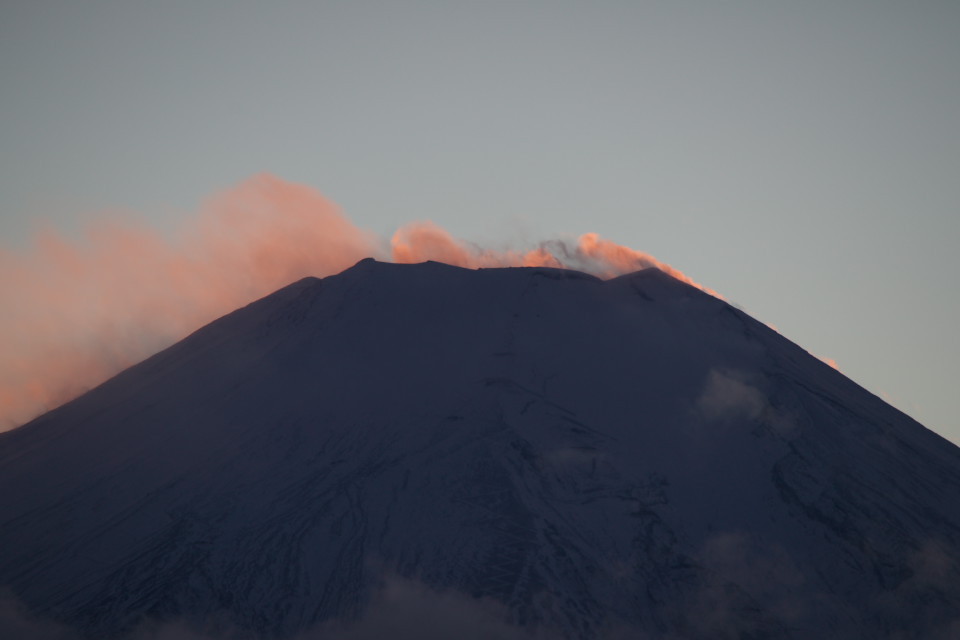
727 396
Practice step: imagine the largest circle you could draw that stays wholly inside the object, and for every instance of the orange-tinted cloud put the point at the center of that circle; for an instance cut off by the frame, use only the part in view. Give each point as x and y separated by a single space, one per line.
75 313
614 259
422 241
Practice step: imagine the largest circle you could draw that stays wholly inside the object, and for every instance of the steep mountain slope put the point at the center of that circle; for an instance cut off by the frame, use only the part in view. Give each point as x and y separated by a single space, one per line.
585 458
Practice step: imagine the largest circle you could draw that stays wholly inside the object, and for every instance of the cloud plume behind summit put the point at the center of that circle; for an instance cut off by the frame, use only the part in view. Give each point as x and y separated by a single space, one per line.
77 312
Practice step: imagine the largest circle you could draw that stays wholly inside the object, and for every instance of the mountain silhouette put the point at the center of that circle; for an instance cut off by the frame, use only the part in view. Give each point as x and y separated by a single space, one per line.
429 451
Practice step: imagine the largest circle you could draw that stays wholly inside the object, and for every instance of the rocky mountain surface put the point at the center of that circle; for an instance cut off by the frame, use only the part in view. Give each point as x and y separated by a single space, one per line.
429 451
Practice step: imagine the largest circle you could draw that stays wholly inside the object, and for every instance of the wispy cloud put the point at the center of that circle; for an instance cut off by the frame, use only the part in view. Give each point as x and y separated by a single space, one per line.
730 396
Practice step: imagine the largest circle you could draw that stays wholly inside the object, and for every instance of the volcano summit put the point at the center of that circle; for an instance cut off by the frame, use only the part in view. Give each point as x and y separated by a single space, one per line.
430 451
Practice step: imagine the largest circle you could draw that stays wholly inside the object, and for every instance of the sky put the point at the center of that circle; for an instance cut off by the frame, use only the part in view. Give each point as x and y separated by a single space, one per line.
801 159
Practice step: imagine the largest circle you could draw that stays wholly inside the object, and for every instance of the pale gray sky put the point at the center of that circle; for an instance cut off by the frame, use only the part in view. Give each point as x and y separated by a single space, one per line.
803 158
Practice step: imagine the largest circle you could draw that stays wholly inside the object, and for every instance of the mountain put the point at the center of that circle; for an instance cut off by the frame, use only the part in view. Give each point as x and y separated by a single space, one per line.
429 451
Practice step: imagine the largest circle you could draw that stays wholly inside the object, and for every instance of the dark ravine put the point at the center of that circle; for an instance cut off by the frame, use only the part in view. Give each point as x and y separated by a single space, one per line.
423 449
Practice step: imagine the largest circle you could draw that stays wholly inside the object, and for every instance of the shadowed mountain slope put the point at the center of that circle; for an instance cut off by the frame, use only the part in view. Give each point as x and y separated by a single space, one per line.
573 457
